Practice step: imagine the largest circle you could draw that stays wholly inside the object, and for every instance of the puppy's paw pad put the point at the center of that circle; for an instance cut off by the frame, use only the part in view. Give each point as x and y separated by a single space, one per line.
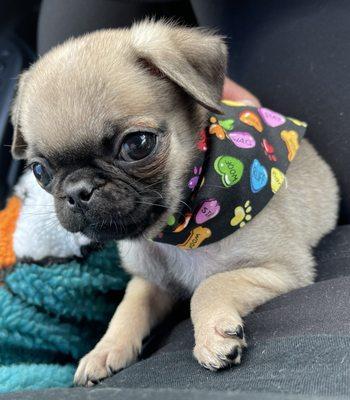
235 355
230 327
101 363
91 369
222 356
238 331
220 347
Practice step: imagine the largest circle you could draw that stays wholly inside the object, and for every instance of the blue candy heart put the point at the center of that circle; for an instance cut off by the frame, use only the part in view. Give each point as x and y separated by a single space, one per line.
258 176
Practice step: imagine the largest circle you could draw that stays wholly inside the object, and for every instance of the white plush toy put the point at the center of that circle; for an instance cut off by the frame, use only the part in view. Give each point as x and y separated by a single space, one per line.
38 234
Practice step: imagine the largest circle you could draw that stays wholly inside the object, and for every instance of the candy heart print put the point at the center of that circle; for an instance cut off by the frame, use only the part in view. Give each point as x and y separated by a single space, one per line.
243 140
232 103
219 127
230 169
277 179
251 119
297 122
227 124
291 139
258 176
209 209
271 118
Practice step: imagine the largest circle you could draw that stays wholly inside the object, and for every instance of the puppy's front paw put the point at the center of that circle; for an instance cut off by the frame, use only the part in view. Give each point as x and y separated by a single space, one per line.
103 361
219 344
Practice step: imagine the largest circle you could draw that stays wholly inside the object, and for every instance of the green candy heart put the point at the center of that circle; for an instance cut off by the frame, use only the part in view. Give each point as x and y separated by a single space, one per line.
230 169
227 124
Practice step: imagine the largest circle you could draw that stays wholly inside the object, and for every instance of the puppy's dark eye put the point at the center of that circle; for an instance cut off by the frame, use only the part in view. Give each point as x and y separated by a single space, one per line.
42 174
137 145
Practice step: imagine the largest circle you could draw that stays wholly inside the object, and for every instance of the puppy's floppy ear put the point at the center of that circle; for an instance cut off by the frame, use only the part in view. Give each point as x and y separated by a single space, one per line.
19 145
195 59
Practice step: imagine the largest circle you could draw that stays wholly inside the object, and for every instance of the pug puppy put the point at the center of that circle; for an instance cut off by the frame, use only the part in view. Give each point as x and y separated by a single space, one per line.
108 121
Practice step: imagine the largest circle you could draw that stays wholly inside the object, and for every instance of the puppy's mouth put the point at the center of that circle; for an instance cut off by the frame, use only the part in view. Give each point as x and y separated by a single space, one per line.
113 230
120 228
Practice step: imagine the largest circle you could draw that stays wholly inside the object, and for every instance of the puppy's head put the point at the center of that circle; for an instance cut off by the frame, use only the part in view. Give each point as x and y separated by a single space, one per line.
109 123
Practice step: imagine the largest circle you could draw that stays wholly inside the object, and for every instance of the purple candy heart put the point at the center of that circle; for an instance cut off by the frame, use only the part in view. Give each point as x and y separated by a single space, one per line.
209 209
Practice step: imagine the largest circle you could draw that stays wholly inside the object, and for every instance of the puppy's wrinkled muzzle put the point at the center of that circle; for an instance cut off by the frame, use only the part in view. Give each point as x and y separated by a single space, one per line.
101 209
80 194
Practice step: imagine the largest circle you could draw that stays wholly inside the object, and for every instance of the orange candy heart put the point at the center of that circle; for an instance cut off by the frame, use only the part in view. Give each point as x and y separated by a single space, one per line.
251 119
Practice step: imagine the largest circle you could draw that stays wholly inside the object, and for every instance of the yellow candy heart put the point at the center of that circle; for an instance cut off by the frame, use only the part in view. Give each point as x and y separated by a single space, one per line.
297 122
232 103
291 140
277 179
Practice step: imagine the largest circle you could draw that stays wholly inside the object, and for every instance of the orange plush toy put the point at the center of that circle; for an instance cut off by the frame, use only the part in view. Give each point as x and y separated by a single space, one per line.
8 220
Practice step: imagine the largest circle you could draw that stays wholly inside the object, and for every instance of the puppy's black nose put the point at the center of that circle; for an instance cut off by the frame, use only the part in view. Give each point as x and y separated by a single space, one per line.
79 193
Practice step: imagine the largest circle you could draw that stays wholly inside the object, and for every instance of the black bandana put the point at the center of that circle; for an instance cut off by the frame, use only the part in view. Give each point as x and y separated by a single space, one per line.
242 160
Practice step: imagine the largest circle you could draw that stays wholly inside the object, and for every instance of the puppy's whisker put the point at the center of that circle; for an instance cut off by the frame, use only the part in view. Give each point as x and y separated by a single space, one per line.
123 226
153 184
181 201
115 224
41 206
151 204
40 211
154 191
43 214
52 224
162 206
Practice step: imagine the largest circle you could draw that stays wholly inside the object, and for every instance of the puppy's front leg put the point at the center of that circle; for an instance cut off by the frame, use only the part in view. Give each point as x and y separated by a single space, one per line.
220 302
143 306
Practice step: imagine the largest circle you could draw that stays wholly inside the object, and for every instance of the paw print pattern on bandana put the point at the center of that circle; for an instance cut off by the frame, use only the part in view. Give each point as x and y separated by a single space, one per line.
193 182
242 215
220 127
241 161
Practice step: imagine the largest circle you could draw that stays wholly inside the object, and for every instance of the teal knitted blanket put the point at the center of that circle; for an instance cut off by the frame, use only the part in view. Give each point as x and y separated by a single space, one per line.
55 307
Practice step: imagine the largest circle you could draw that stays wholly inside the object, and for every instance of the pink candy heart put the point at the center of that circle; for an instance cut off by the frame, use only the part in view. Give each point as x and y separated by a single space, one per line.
244 140
271 118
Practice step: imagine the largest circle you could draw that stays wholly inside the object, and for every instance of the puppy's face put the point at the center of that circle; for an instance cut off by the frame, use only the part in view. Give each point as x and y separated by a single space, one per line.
108 123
